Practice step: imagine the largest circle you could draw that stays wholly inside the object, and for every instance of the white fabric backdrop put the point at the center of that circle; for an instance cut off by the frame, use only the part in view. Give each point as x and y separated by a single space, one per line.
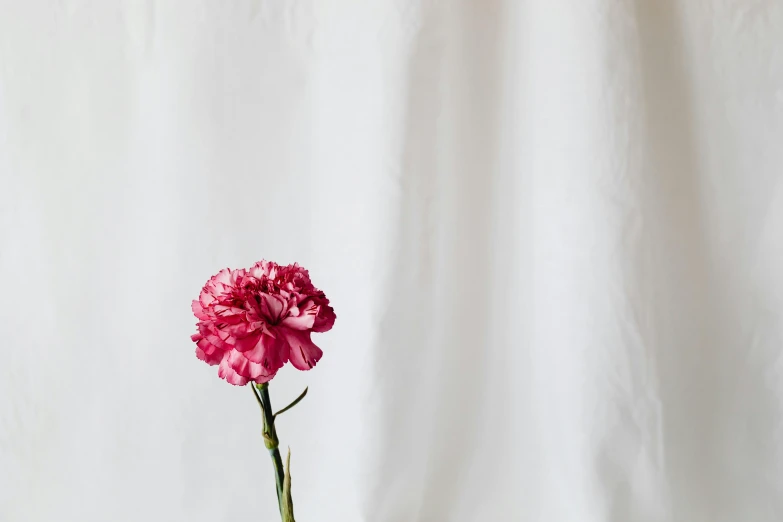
552 232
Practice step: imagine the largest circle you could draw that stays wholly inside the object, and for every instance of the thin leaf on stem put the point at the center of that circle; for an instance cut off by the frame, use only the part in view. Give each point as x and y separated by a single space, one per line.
258 398
286 503
296 401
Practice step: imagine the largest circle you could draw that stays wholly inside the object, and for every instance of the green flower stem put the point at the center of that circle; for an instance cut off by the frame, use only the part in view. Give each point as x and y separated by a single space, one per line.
271 442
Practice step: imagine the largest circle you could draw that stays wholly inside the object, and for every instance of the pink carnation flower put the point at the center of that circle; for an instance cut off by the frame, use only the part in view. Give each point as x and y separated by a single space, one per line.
251 322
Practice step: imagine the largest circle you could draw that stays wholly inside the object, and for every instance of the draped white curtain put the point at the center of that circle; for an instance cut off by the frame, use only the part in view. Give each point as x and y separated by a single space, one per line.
552 231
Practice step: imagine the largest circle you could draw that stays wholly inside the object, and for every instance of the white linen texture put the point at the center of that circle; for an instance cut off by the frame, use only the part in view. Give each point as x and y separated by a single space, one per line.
552 232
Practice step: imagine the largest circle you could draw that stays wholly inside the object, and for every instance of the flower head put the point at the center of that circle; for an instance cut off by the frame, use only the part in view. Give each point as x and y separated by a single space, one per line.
251 322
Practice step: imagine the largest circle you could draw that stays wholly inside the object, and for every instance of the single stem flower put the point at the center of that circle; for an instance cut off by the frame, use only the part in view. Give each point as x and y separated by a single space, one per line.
250 323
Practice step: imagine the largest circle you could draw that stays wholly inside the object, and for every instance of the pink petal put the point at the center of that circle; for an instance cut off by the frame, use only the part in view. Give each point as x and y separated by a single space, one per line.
209 348
226 372
206 351
253 308
302 318
303 354
325 319
224 276
238 331
210 359
248 369
247 343
272 307
237 275
264 269
228 313
210 333
198 311
206 298
269 351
